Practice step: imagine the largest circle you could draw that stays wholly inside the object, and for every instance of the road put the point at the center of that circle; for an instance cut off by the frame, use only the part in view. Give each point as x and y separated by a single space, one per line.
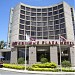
5 72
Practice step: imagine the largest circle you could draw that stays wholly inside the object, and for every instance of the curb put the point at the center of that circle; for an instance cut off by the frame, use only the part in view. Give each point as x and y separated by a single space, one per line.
37 72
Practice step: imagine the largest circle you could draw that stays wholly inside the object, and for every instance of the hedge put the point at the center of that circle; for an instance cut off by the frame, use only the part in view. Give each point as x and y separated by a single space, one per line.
13 66
50 69
45 65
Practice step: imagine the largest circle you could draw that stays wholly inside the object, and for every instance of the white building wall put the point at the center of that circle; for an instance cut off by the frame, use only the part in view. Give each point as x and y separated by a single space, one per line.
32 55
53 54
72 54
68 22
15 24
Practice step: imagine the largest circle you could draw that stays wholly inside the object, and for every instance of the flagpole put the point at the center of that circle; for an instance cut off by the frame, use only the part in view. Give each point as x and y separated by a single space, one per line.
25 55
60 53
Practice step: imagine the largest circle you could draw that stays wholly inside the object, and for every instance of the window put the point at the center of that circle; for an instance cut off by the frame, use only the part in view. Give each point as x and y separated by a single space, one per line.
44 28
51 37
55 8
21 26
33 33
55 12
57 32
33 23
22 7
50 18
44 23
56 26
50 27
33 10
56 22
21 37
33 28
38 10
39 28
27 22
33 14
27 13
44 10
38 18
22 11
38 14
44 14
63 31
62 20
51 32
62 25
28 32
22 16
27 17
22 21
50 22
45 33
50 14
33 18
27 27
49 9
44 18
60 6
27 8
61 15
21 31
39 24
61 10
39 33
56 17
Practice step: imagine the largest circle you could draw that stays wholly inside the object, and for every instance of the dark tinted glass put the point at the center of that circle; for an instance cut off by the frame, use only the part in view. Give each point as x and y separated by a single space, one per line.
22 7
60 6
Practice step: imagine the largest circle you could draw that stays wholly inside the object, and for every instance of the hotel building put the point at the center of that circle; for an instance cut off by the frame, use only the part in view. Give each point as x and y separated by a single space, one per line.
43 24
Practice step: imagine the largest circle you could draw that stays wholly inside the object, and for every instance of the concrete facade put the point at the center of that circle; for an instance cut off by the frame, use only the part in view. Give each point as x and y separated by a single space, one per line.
43 24
53 54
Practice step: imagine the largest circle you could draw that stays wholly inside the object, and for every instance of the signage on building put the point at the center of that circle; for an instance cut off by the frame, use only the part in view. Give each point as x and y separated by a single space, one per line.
43 43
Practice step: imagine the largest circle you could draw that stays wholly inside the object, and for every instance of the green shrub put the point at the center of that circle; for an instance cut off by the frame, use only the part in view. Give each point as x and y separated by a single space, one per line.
66 64
45 65
13 66
21 61
50 69
44 60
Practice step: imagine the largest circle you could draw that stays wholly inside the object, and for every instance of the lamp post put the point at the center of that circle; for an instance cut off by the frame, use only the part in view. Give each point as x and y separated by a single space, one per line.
60 53
25 55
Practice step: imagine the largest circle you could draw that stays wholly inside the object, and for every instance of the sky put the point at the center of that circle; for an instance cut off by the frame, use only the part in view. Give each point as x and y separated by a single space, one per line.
5 6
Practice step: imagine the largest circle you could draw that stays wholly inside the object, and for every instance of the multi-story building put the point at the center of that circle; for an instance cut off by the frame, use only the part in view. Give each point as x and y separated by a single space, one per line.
43 24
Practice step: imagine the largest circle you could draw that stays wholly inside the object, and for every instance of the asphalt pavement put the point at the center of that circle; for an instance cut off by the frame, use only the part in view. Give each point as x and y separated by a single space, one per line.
7 71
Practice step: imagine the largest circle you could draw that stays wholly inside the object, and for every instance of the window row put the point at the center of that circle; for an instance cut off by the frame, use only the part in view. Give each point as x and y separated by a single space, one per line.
42 18
42 14
43 9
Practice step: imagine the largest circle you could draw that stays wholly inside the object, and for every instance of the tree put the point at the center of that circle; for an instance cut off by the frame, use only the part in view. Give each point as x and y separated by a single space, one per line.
2 44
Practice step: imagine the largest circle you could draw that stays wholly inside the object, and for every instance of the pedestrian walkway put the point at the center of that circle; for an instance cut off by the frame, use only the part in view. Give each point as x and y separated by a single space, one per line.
38 72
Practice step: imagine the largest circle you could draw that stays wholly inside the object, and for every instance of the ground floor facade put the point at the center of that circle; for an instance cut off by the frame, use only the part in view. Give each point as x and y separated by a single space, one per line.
35 51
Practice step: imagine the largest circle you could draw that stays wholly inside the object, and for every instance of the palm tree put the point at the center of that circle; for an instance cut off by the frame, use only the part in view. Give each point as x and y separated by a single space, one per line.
2 44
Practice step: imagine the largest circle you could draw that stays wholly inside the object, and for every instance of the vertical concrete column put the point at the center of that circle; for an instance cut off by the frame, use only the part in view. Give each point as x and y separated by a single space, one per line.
32 55
53 54
0 53
72 54
13 55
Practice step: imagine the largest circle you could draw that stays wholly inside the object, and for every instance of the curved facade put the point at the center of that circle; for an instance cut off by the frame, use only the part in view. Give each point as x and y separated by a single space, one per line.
44 24
41 22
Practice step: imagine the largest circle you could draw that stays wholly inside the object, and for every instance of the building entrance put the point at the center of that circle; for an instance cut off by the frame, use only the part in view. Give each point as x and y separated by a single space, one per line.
43 52
65 55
